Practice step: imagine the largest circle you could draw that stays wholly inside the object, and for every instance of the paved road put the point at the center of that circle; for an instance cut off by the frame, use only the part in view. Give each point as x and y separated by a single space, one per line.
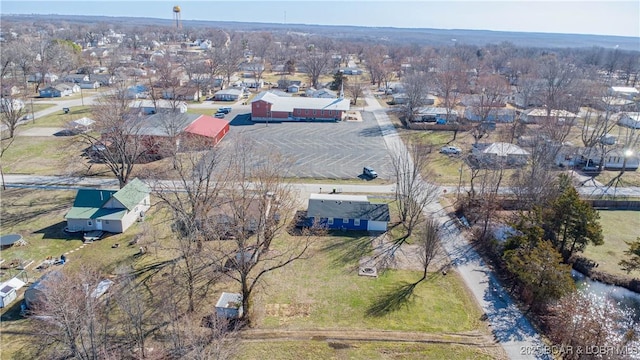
510 327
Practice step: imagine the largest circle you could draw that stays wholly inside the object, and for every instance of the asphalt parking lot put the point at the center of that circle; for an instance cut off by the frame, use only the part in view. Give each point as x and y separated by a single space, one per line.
323 150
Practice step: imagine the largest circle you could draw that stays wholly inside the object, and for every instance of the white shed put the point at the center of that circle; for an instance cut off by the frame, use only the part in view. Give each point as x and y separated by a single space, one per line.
8 291
229 306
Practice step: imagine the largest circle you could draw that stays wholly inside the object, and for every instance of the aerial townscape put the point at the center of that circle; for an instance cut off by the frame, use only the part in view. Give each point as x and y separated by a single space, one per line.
190 189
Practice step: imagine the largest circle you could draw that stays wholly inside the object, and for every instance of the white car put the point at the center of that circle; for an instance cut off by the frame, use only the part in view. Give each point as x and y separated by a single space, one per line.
452 150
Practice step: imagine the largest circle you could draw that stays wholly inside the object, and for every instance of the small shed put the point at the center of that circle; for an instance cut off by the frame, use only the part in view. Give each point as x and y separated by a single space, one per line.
229 306
8 291
293 88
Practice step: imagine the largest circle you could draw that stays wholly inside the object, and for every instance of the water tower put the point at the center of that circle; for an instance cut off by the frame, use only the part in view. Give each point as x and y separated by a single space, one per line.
176 16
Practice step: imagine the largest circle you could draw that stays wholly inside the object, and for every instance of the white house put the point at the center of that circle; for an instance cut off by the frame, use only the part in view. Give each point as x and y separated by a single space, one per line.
539 115
500 153
11 105
630 119
109 210
624 92
89 85
149 107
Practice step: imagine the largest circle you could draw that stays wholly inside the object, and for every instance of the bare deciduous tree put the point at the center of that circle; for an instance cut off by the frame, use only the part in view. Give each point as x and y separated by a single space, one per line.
258 202
413 193
71 317
115 141
316 63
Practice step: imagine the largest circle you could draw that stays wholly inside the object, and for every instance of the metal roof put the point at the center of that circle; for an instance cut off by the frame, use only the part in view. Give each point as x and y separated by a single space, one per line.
288 104
345 208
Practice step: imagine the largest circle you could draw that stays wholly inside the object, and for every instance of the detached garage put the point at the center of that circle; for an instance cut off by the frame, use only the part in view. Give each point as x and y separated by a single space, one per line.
347 212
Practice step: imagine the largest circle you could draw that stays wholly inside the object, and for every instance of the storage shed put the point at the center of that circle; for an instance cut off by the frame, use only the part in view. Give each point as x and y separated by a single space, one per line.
229 306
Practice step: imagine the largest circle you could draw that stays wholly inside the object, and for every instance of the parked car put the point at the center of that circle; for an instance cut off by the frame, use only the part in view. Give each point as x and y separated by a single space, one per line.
224 110
367 171
451 150
219 115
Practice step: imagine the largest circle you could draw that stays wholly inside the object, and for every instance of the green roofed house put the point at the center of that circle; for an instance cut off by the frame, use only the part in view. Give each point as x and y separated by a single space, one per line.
109 210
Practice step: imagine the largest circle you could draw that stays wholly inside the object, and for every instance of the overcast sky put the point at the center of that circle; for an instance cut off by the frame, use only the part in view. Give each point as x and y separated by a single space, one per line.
604 17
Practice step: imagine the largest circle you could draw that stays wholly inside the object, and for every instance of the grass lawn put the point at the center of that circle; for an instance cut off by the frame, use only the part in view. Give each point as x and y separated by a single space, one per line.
285 350
38 107
46 155
629 178
60 119
39 217
322 292
618 227
325 292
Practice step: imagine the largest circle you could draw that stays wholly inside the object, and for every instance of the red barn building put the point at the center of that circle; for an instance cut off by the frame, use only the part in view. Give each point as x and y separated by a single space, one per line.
267 107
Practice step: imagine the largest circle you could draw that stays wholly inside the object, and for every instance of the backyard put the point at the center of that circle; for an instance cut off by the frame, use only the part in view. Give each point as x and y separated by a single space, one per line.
321 293
618 226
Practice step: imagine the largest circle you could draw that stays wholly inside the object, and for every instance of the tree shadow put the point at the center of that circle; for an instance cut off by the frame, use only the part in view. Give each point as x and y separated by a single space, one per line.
349 249
393 299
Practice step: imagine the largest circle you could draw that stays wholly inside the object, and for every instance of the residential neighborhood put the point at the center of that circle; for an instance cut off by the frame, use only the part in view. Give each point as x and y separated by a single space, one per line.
192 189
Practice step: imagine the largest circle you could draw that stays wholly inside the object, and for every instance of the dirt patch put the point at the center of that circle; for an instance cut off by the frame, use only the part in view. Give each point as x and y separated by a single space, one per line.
286 311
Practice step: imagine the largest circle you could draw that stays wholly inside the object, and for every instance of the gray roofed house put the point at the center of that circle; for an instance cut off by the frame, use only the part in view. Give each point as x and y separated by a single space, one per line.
348 212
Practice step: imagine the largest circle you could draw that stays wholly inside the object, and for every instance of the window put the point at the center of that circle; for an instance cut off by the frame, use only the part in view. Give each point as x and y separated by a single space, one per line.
345 221
106 221
314 112
89 223
356 222
330 221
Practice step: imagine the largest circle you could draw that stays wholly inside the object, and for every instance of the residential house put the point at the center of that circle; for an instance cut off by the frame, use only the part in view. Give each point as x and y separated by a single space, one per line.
399 99
75 78
9 105
590 158
186 130
321 93
252 83
500 153
150 107
501 115
438 115
109 210
629 93
10 90
284 83
539 115
228 95
103 79
630 119
183 93
93 85
351 71
347 212
269 107
59 90
137 92
48 78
